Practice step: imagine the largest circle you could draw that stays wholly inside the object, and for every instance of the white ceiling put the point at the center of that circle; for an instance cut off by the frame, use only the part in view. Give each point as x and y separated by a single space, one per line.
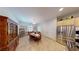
38 14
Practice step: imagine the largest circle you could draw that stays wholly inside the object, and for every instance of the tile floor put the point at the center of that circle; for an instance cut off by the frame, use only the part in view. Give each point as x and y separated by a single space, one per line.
44 45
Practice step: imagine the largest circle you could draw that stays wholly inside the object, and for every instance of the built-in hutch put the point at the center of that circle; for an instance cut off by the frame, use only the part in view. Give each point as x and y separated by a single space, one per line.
8 34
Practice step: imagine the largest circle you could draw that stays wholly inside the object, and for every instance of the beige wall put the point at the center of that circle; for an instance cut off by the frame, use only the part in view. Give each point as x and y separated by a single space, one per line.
48 29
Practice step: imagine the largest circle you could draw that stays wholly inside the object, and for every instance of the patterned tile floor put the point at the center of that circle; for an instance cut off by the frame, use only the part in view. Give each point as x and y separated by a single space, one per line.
44 45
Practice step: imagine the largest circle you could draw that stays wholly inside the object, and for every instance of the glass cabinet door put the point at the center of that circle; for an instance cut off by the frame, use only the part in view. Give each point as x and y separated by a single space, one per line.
10 31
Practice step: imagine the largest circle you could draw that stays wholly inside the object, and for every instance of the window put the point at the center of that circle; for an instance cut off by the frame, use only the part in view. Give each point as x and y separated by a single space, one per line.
30 28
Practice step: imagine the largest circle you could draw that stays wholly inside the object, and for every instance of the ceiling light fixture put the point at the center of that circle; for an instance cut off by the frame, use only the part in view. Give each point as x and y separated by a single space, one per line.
34 23
61 9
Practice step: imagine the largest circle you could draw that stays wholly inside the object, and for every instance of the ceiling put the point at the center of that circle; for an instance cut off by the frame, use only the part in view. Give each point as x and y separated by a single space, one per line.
37 14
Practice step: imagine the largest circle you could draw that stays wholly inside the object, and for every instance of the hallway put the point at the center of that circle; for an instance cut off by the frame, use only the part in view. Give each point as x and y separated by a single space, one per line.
49 26
44 45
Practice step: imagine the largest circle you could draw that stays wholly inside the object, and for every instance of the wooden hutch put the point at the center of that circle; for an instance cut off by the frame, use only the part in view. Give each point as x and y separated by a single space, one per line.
8 34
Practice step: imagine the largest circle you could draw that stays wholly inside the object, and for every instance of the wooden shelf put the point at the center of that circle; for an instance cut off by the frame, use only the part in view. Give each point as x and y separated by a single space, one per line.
8 34
65 22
